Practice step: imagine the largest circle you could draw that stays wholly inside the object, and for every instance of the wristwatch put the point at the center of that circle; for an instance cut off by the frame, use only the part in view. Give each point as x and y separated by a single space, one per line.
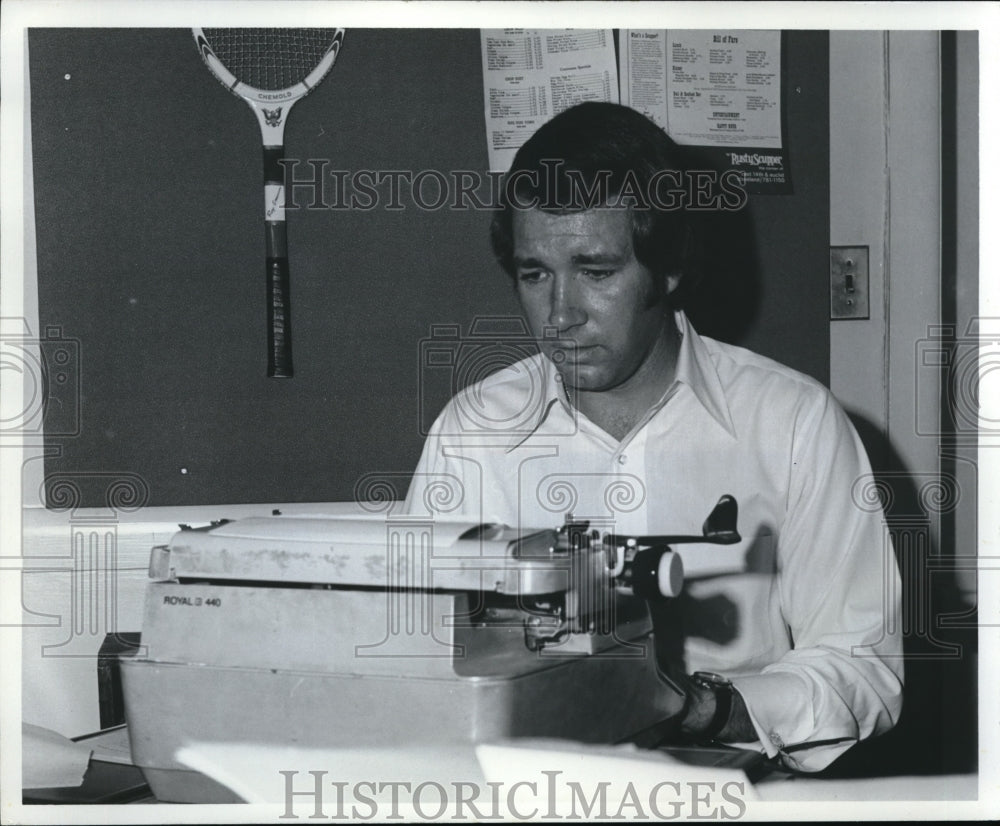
723 690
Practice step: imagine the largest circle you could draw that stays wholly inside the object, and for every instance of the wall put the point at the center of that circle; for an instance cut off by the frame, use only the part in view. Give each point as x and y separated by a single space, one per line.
887 187
858 214
148 189
150 256
903 182
963 301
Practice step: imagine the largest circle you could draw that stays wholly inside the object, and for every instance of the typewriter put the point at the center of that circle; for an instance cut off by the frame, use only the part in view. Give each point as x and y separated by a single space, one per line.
318 631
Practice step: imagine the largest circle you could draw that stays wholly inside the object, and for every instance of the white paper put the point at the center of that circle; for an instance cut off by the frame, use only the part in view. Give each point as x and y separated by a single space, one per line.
706 87
253 772
50 760
531 75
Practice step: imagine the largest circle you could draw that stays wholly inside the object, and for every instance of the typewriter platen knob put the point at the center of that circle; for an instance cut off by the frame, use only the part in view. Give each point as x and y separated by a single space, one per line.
657 573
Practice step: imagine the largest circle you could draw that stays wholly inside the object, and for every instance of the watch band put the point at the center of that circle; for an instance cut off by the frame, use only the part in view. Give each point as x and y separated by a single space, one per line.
723 690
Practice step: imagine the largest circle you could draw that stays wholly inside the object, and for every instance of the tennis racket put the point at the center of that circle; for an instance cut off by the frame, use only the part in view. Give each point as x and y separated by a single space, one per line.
271 69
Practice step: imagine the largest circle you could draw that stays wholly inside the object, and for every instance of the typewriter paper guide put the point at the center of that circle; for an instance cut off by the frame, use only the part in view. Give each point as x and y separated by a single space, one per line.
360 552
364 551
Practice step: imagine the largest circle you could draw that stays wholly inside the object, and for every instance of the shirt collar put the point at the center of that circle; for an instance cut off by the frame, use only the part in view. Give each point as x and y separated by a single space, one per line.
695 369
554 395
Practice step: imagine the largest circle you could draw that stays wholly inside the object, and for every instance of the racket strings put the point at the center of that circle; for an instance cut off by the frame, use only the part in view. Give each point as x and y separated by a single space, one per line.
270 59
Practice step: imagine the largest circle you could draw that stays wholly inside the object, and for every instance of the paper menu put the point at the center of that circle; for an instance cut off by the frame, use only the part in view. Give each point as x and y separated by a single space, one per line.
706 87
531 75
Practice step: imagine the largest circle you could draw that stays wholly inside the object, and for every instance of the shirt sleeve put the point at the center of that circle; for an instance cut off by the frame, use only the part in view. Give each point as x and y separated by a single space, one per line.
442 483
840 594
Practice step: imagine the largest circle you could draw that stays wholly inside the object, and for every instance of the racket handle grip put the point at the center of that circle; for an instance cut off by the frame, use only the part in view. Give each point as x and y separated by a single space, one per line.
279 319
279 326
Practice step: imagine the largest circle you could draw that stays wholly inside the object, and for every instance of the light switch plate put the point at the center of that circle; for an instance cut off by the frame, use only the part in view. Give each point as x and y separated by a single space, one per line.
848 282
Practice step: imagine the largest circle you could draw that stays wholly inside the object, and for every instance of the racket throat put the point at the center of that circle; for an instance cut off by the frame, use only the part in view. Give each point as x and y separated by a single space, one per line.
271 118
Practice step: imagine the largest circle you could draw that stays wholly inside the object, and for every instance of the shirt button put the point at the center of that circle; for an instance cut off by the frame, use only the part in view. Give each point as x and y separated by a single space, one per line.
776 740
622 459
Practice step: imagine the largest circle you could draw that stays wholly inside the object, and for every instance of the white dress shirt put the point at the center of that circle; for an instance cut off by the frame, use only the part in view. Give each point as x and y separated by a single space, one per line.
806 622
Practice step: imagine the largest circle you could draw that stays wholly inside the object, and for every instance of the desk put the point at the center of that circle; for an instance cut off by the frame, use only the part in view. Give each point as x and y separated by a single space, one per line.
112 779
911 787
104 783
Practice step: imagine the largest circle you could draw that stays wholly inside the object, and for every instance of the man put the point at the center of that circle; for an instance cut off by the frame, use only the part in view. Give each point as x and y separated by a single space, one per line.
629 415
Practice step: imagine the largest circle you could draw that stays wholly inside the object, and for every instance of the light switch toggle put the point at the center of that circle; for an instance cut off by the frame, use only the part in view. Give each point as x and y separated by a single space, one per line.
848 282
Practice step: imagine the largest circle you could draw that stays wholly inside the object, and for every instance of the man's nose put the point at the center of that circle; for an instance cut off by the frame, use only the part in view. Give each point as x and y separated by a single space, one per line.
565 308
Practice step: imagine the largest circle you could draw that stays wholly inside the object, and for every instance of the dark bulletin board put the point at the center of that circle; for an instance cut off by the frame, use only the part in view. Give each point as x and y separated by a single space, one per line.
148 205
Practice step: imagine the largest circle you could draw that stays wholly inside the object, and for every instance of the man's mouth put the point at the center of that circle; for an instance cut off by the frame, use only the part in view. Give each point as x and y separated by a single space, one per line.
571 354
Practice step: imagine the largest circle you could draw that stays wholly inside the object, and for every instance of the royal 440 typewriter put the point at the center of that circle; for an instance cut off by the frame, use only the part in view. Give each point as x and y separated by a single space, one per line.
313 631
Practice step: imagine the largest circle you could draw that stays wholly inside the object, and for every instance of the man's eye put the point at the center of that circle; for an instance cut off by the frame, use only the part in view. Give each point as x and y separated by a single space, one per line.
530 276
598 274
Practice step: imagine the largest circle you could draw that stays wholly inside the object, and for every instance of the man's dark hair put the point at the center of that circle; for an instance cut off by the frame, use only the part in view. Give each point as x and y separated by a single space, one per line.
602 155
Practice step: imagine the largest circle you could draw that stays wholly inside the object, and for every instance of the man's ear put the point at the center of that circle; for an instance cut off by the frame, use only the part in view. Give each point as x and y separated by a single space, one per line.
671 281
